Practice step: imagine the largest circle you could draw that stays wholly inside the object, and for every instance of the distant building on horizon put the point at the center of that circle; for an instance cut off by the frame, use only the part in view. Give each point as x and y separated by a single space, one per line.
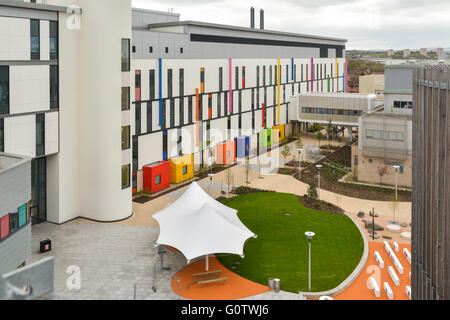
406 53
424 52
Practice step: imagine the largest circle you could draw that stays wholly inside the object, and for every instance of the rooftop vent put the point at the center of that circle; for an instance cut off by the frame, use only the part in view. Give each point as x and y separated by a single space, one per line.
261 19
252 18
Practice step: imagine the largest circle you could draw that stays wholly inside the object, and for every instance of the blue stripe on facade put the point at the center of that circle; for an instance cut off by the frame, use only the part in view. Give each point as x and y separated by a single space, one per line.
292 67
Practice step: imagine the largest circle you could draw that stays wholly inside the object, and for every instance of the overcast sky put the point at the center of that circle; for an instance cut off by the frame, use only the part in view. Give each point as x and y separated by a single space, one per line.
367 24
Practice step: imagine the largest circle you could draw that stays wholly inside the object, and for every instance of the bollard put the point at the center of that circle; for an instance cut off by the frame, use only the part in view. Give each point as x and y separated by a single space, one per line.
276 285
271 283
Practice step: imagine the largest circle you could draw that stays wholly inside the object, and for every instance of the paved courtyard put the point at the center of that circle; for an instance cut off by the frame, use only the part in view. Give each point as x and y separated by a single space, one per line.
112 260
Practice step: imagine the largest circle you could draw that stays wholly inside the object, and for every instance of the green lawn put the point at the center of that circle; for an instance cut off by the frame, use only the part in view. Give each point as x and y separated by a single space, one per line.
281 250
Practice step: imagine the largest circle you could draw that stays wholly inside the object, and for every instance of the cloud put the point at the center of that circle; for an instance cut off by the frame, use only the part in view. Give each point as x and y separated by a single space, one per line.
366 24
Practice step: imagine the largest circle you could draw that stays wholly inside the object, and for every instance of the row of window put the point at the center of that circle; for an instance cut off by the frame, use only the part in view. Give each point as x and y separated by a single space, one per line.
337 112
5 87
240 80
166 49
35 39
385 135
125 103
14 221
403 105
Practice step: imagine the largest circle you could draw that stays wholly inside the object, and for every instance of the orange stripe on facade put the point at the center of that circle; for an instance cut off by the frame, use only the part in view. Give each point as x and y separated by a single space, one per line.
197 98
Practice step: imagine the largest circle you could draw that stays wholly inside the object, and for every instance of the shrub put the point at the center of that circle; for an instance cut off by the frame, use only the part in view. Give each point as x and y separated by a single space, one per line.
312 192
248 190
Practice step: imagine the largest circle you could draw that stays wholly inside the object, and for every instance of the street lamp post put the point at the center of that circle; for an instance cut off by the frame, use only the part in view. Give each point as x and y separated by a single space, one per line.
318 169
300 153
310 235
397 169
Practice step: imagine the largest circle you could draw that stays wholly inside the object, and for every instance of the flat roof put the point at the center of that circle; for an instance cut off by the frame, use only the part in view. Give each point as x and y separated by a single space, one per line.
237 28
10 161
37 6
388 115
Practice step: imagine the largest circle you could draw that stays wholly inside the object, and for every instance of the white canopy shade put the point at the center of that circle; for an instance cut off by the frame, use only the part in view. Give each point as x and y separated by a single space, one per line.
198 225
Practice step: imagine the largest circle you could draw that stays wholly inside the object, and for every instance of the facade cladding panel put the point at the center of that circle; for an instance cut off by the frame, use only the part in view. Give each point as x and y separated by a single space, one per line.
431 184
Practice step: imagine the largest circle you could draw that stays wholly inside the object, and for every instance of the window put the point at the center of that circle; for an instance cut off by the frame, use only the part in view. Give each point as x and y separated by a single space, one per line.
126 173
181 50
167 49
356 160
13 221
54 87
126 98
35 39
149 117
257 76
125 137
158 180
370 161
185 170
152 85
150 49
53 40
169 83
134 49
172 113
2 135
236 78
138 118
125 55
4 90
402 105
40 135
190 116
220 79
181 81
137 84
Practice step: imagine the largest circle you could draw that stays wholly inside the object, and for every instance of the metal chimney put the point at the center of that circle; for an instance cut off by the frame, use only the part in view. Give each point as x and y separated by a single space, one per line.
261 19
252 18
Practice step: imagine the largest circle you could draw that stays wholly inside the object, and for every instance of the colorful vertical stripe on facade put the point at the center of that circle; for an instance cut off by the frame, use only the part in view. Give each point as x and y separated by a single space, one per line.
279 90
197 117
346 75
292 67
263 115
160 93
230 92
312 74
202 80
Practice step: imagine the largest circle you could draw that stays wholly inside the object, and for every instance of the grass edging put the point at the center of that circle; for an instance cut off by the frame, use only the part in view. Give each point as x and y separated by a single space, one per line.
351 278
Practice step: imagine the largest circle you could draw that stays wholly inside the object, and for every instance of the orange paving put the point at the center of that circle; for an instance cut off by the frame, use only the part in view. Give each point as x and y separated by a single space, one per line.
236 287
359 290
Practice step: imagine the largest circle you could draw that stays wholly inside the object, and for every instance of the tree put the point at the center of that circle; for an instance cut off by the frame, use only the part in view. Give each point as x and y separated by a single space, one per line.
394 204
299 142
330 133
229 177
320 136
286 152
312 192
382 171
247 169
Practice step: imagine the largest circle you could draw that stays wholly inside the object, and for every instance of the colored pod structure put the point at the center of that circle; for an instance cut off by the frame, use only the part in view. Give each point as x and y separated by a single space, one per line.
280 129
226 152
156 176
181 168
242 147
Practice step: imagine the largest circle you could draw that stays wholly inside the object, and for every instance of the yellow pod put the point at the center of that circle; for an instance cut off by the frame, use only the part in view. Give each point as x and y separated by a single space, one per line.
181 168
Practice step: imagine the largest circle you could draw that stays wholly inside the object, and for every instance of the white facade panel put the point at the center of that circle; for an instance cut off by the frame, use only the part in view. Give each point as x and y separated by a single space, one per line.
35 81
45 40
15 38
20 135
51 133
150 149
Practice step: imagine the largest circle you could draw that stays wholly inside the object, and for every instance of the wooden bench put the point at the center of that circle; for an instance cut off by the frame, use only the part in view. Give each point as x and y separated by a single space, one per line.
200 283
214 276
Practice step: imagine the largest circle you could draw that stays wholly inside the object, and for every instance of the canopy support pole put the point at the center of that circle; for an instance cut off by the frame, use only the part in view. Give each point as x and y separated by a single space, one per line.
207 263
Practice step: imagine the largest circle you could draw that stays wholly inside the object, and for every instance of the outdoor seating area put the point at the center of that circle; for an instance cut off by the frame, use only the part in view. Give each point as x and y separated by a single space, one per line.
225 285
377 283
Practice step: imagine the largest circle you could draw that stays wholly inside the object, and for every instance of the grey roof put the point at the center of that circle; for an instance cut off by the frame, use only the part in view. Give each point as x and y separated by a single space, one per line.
36 6
237 28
